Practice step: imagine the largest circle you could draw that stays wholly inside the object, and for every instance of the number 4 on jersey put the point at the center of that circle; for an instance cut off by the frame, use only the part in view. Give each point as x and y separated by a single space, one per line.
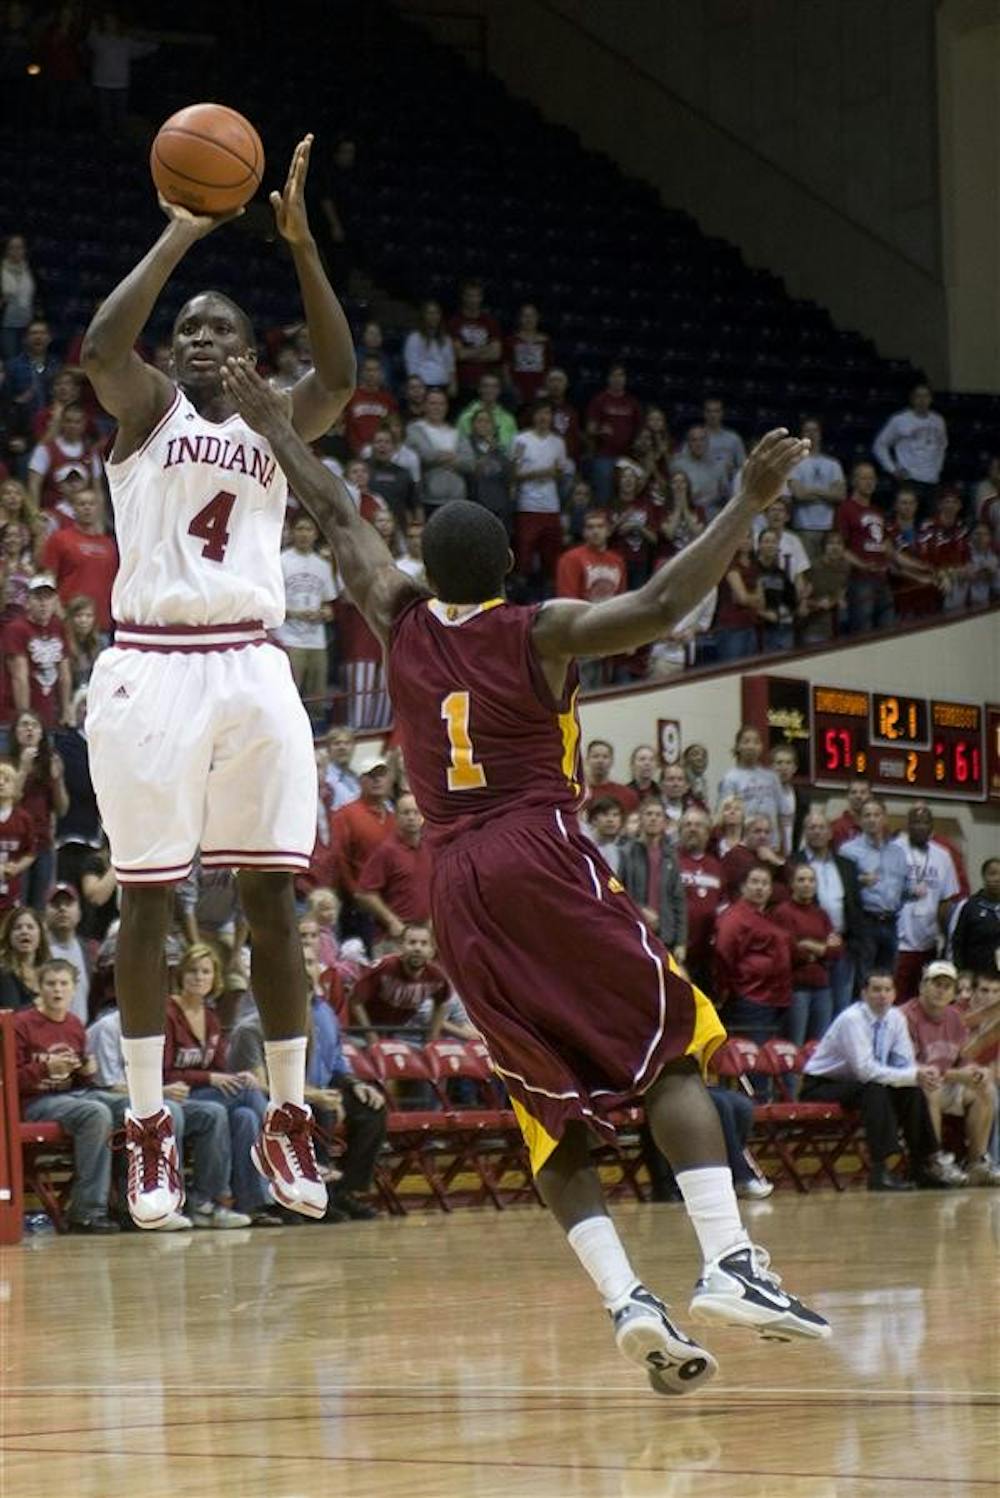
210 525
464 774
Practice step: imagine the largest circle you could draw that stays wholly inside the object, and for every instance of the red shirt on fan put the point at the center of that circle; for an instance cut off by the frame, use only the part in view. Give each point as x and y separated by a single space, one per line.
843 829
36 1038
393 996
936 1042
83 563
864 532
583 572
45 647
808 923
474 333
185 1057
618 419
701 876
737 864
366 410
17 840
401 875
528 359
359 828
729 614
943 545
755 955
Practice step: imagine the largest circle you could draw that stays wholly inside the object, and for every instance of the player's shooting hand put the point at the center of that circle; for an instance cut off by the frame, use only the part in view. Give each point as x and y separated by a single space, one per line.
197 225
769 465
267 410
290 206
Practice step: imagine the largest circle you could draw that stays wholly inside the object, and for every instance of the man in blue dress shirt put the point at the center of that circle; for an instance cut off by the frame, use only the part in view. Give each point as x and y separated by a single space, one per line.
883 875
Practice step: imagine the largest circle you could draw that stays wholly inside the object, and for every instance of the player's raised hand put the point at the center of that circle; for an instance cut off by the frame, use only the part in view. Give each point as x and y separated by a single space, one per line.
290 206
769 465
262 407
197 224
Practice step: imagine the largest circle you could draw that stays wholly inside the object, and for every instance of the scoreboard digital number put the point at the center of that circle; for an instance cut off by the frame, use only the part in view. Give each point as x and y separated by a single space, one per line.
910 745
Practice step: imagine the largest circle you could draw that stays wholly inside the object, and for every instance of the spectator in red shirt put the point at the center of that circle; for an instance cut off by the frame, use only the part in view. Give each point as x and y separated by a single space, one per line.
527 355
68 453
394 884
55 1080
82 559
755 960
565 419
636 521
848 824
614 420
944 545
755 848
396 993
597 766
914 586
17 838
476 337
701 876
368 407
741 599
815 947
952 1085
869 551
359 827
591 572
195 1053
38 657
42 794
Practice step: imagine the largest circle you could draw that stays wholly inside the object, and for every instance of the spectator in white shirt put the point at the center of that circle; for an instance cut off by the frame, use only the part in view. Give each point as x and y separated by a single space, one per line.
62 917
540 461
412 562
309 594
706 476
344 784
817 485
792 555
428 350
912 445
435 442
934 885
865 1061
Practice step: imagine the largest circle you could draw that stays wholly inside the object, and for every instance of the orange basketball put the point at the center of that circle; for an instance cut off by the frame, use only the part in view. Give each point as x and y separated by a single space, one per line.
207 158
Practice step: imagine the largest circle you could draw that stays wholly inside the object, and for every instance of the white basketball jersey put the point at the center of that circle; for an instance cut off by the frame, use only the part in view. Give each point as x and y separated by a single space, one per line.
199 510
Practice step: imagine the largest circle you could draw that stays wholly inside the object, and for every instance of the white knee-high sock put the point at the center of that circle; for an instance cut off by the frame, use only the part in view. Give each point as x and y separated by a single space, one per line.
286 1070
596 1243
713 1209
144 1073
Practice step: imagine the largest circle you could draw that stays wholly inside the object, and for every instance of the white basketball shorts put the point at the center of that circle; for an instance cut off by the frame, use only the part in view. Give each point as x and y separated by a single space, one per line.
200 748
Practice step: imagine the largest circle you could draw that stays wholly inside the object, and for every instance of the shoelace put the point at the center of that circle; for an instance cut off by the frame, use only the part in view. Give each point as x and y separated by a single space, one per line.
761 1260
298 1131
147 1163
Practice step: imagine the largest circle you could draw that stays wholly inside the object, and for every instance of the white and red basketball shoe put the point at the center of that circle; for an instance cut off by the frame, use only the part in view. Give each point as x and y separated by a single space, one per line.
155 1182
285 1157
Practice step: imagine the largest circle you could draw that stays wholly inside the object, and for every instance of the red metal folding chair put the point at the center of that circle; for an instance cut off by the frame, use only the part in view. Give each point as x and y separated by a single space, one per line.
416 1136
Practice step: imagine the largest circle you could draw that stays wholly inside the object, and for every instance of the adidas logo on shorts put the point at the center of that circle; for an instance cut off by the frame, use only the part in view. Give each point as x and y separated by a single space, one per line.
121 692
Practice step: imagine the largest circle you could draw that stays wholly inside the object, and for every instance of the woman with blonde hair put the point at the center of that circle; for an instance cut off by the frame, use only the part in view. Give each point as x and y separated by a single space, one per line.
16 503
24 947
195 1054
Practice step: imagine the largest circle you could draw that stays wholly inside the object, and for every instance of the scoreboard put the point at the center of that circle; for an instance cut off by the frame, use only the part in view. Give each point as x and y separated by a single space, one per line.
915 746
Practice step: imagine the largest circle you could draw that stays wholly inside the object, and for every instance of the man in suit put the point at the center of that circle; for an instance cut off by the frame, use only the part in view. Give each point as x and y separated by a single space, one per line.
839 894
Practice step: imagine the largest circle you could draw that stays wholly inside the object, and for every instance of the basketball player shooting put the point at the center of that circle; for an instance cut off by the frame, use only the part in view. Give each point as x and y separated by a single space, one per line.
197 734
581 1007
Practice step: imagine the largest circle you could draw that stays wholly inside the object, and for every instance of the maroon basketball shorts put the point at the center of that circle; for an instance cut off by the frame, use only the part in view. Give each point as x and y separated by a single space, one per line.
580 1005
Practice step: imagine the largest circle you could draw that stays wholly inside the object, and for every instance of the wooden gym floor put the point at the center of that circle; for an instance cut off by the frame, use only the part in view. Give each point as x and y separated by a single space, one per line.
467 1357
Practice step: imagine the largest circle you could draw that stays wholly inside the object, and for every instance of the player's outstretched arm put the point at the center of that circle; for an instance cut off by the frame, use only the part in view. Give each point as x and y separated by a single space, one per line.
321 395
566 627
126 386
370 575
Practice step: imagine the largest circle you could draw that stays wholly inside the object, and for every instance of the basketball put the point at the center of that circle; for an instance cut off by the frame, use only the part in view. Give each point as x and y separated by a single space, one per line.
207 158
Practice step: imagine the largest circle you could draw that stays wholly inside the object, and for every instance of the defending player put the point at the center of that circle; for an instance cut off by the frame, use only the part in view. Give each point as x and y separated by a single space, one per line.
580 1006
197 734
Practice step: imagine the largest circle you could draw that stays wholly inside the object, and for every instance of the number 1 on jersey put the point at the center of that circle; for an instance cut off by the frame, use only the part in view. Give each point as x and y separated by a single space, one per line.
464 773
210 523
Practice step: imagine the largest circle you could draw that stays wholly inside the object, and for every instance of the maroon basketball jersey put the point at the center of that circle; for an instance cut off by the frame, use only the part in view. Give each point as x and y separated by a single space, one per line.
481 732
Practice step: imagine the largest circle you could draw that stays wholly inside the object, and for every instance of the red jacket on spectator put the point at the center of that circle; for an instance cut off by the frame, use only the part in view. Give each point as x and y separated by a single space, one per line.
737 864
366 410
359 827
391 996
185 1057
401 875
17 840
83 563
618 419
591 575
754 954
701 876
36 1037
808 923
729 614
332 985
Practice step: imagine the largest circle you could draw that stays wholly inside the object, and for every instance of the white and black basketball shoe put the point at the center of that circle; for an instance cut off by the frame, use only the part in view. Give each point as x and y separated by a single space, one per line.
739 1289
645 1335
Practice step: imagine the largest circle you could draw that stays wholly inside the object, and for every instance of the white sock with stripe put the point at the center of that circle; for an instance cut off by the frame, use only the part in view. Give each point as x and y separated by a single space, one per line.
144 1073
596 1243
713 1209
286 1070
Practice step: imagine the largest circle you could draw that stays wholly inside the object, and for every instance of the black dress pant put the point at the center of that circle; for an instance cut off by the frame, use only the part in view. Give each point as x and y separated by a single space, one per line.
884 1112
365 1128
